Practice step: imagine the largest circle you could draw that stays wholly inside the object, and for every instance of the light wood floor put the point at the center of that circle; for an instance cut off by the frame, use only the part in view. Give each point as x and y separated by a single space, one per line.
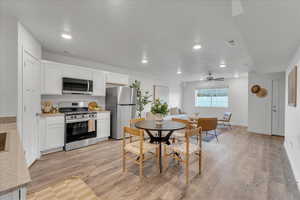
242 166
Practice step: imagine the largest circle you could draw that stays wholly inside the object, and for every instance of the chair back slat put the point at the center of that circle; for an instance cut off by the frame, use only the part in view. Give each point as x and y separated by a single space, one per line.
134 121
187 123
193 132
133 131
208 124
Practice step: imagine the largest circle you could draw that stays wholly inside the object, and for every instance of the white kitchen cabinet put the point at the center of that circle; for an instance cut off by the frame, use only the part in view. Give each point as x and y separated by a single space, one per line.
52 131
116 78
18 194
71 71
98 83
103 125
51 78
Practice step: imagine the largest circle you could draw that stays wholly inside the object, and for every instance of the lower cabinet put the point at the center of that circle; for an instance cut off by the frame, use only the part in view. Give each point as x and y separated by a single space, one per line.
103 125
18 194
52 131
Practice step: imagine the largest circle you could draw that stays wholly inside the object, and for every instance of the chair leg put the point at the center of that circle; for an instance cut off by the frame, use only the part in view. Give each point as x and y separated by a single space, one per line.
165 158
200 162
187 163
141 166
124 161
216 136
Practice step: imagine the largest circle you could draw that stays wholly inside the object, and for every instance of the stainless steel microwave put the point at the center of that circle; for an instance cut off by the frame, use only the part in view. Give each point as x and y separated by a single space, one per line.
76 86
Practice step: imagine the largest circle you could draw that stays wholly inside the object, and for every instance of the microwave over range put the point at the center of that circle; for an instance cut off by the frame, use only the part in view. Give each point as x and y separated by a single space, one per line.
76 86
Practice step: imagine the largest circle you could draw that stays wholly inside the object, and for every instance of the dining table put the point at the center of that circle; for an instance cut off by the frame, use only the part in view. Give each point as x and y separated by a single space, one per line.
168 126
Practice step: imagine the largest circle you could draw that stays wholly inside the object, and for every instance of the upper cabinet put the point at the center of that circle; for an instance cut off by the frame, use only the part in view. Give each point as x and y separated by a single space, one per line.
51 78
52 74
118 79
98 83
70 71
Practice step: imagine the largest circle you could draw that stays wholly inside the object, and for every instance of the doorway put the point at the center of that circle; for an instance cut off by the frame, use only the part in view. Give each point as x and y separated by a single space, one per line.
277 107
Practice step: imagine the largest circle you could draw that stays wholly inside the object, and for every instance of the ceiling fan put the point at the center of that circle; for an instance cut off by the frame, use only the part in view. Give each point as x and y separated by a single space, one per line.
210 77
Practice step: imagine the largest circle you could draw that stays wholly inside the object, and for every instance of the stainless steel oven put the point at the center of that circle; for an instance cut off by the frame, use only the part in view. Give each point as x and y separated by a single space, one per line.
80 128
77 86
80 125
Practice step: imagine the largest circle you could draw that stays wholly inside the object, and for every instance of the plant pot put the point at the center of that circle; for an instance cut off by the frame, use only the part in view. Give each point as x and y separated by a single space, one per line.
159 119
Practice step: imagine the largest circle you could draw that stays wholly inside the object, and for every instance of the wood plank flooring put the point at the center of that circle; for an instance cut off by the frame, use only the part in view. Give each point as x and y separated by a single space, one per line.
242 166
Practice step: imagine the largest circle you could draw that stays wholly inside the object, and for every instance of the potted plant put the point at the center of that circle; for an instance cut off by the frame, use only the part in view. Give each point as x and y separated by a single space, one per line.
143 98
159 109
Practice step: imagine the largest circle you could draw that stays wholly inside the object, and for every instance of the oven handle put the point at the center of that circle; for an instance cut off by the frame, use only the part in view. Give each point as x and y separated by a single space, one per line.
83 120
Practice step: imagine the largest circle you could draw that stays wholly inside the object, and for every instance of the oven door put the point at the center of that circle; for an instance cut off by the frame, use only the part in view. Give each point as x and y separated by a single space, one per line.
77 131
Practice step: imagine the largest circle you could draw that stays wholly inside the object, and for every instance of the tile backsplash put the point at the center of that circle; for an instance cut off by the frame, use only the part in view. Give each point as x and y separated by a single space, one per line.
55 99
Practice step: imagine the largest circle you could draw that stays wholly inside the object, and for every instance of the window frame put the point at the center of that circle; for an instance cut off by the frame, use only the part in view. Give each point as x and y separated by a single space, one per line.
221 107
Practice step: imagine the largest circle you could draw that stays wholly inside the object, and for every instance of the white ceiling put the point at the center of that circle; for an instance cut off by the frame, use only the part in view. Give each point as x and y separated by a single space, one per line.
121 32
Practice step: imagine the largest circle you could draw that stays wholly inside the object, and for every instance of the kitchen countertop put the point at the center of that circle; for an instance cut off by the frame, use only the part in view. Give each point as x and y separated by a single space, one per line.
100 111
13 169
62 114
51 114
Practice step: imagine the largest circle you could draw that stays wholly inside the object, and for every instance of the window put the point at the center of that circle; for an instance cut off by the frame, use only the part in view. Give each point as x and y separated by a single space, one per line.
211 97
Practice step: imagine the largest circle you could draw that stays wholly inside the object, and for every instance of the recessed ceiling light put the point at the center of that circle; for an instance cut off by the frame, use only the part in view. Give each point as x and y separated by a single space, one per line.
223 65
179 72
66 36
201 79
197 47
236 75
144 61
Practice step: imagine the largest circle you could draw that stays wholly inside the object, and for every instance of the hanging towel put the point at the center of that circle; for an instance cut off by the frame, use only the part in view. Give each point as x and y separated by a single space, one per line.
91 125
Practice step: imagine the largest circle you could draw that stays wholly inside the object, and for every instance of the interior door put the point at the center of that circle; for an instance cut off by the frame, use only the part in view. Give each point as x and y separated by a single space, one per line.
276 109
31 106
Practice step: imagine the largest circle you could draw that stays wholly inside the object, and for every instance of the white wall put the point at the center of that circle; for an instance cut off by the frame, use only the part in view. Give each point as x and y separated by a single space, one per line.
259 115
8 64
292 125
238 99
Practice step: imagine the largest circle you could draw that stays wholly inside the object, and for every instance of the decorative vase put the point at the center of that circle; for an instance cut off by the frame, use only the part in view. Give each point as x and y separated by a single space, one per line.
159 119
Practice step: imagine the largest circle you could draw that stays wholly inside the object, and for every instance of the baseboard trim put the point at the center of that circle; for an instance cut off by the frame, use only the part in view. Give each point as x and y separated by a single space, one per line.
292 164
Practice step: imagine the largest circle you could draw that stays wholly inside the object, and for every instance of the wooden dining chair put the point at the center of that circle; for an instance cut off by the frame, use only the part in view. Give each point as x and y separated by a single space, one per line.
132 123
139 149
209 124
177 135
183 151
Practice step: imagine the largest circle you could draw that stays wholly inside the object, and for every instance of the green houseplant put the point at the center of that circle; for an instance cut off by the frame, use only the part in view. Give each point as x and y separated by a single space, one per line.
159 109
143 98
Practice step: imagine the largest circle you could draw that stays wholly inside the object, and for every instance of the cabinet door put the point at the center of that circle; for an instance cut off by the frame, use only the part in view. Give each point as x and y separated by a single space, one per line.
14 195
115 78
98 83
52 79
106 131
103 125
70 71
99 126
55 133
42 133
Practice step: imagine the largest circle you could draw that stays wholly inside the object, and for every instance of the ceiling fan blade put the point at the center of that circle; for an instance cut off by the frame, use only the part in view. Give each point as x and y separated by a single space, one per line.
219 79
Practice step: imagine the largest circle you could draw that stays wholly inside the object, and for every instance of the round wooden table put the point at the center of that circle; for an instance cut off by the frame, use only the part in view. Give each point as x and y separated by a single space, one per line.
169 126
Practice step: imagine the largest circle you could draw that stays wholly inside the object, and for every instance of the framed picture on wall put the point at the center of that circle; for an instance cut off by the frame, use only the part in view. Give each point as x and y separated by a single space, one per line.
292 87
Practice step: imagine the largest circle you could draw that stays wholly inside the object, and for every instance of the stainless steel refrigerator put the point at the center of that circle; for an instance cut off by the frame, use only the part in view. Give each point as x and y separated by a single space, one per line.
121 101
